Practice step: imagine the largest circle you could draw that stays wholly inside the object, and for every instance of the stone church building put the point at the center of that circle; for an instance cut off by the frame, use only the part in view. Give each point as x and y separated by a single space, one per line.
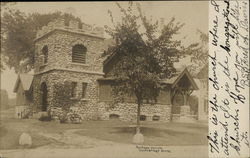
72 52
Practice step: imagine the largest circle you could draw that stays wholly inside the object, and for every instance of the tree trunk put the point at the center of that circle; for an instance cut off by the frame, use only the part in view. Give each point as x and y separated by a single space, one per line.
138 117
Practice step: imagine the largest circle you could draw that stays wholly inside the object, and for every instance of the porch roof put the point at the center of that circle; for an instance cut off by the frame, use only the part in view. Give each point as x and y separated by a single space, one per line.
25 80
191 79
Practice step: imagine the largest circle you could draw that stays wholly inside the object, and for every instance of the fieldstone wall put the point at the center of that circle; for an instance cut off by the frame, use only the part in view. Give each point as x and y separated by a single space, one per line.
60 68
88 104
89 108
60 44
37 93
128 111
72 26
60 40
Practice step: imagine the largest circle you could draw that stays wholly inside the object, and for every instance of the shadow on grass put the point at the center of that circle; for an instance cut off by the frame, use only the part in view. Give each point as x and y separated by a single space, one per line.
152 136
9 139
147 131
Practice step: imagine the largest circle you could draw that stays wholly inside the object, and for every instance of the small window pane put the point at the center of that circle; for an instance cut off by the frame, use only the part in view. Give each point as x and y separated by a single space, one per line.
84 87
142 118
45 54
114 116
73 89
156 118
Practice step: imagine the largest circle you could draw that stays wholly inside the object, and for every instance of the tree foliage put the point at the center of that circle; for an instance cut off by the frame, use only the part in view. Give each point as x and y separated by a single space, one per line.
199 55
146 53
18 31
62 98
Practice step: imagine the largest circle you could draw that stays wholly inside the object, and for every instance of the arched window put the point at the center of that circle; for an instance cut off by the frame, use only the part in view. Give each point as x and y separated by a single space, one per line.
45 54
79 54
114 116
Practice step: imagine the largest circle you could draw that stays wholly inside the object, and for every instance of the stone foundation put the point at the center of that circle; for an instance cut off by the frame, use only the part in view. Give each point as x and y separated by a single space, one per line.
128 111
185 110
125 111
184 116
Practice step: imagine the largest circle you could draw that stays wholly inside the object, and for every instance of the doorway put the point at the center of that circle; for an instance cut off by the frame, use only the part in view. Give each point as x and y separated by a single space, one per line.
44 96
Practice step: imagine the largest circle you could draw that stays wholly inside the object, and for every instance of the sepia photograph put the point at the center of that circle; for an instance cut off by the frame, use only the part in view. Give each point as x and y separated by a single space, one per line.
104 79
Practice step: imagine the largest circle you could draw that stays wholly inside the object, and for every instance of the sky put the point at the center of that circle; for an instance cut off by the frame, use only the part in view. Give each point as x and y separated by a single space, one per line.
193 13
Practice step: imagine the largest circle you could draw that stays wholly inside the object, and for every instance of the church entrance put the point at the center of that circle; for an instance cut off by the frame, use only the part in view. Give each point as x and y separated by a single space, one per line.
44 96
181 91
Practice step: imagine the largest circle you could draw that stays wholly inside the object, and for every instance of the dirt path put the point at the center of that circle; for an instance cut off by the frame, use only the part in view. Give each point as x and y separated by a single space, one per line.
70 140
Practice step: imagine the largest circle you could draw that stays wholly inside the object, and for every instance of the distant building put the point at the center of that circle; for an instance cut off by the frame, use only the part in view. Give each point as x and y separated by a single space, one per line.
12 102
24 96
72 53
202 94
4 99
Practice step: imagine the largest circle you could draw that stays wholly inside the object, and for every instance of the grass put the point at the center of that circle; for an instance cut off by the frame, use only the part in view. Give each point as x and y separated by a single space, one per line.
9 139
155 133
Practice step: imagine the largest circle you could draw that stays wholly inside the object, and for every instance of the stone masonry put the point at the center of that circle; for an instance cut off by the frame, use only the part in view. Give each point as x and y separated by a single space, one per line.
59 68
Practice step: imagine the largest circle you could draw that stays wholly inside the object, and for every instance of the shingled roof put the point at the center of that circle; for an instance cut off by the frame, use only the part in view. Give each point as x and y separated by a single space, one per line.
172 81
25 80
175 79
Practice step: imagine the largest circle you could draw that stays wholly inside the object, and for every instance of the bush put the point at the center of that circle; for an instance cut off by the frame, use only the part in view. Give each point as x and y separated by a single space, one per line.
63 99
45 118
74 117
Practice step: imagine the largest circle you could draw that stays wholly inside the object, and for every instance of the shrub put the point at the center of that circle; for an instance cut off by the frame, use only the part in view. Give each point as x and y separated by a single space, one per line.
45 118
62 99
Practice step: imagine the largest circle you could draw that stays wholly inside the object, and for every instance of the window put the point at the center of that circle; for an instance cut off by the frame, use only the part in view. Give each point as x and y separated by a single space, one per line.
149 101
73 89
45 54
79 54
114 116
156 118
105 92
84 87
142 118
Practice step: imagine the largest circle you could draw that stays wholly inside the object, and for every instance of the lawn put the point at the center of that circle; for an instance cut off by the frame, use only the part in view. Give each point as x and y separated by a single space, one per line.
155 133
9 136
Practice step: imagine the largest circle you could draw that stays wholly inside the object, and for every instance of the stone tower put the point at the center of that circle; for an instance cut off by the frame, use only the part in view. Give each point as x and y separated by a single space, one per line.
68 53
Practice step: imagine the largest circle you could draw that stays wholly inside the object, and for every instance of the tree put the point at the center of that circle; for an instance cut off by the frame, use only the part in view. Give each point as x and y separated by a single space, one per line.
145 57
6 5
18 31
199 55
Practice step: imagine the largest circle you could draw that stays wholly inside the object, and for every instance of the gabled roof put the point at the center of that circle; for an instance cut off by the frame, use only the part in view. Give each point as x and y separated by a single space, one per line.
174 80
25 80
170 80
